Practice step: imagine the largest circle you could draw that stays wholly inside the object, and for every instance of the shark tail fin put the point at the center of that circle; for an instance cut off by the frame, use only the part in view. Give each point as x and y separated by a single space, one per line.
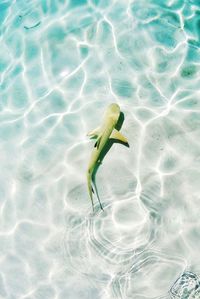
90 189
118 136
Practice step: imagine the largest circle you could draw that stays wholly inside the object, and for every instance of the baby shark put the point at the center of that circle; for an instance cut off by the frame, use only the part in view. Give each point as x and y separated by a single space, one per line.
105 132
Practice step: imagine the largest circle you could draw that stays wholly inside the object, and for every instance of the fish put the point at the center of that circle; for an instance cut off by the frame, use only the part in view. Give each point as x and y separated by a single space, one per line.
102 134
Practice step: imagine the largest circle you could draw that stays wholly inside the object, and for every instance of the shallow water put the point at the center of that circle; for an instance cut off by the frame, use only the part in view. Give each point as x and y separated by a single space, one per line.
61 64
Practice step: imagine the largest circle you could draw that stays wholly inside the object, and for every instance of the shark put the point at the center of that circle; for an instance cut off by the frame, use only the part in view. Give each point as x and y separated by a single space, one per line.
102 134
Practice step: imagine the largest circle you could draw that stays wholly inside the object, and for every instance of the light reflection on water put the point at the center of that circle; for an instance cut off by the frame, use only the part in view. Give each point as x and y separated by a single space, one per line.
61 64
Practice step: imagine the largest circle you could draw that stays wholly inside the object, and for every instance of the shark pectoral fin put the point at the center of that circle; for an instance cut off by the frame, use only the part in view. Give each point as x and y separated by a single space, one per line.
117 135
94 133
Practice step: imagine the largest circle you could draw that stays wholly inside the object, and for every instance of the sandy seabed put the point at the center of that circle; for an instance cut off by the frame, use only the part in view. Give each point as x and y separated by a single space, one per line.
61 64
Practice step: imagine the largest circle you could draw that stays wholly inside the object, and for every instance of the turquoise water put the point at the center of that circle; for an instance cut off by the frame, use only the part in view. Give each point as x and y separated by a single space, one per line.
61 64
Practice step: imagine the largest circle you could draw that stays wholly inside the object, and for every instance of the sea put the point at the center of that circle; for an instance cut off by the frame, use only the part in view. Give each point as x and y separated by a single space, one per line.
62 63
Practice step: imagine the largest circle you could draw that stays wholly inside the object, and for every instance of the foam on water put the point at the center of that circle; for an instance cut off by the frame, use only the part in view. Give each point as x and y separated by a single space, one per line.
61 63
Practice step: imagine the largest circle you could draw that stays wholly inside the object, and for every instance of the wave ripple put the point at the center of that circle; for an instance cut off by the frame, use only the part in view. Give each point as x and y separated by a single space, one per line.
61 63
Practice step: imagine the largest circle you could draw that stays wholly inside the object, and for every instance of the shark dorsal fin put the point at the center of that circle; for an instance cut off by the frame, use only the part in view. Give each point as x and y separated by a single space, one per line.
117 135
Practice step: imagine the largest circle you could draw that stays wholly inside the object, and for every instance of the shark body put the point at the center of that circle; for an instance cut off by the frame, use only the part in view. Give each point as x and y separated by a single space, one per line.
103 133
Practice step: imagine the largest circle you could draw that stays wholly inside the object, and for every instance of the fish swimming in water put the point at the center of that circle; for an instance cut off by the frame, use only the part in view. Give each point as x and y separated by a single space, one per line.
105 132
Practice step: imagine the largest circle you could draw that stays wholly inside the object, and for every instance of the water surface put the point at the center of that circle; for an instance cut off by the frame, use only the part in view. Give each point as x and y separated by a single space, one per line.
61 64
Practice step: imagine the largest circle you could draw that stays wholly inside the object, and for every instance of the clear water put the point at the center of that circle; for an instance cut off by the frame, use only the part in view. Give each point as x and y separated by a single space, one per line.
61 63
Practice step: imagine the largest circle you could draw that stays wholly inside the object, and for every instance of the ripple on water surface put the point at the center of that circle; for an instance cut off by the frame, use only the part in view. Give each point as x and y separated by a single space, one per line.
61 64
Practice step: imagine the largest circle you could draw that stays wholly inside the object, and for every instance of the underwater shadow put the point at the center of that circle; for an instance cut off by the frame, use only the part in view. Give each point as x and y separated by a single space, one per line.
104 152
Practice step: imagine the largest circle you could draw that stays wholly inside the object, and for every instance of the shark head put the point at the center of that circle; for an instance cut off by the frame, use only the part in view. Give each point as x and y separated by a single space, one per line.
113 111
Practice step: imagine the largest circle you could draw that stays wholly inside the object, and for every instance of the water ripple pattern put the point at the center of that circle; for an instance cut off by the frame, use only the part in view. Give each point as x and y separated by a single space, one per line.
62 62
187 286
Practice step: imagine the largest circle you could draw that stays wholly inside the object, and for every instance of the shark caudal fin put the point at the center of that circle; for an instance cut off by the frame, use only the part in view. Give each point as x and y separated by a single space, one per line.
90 189
118 136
